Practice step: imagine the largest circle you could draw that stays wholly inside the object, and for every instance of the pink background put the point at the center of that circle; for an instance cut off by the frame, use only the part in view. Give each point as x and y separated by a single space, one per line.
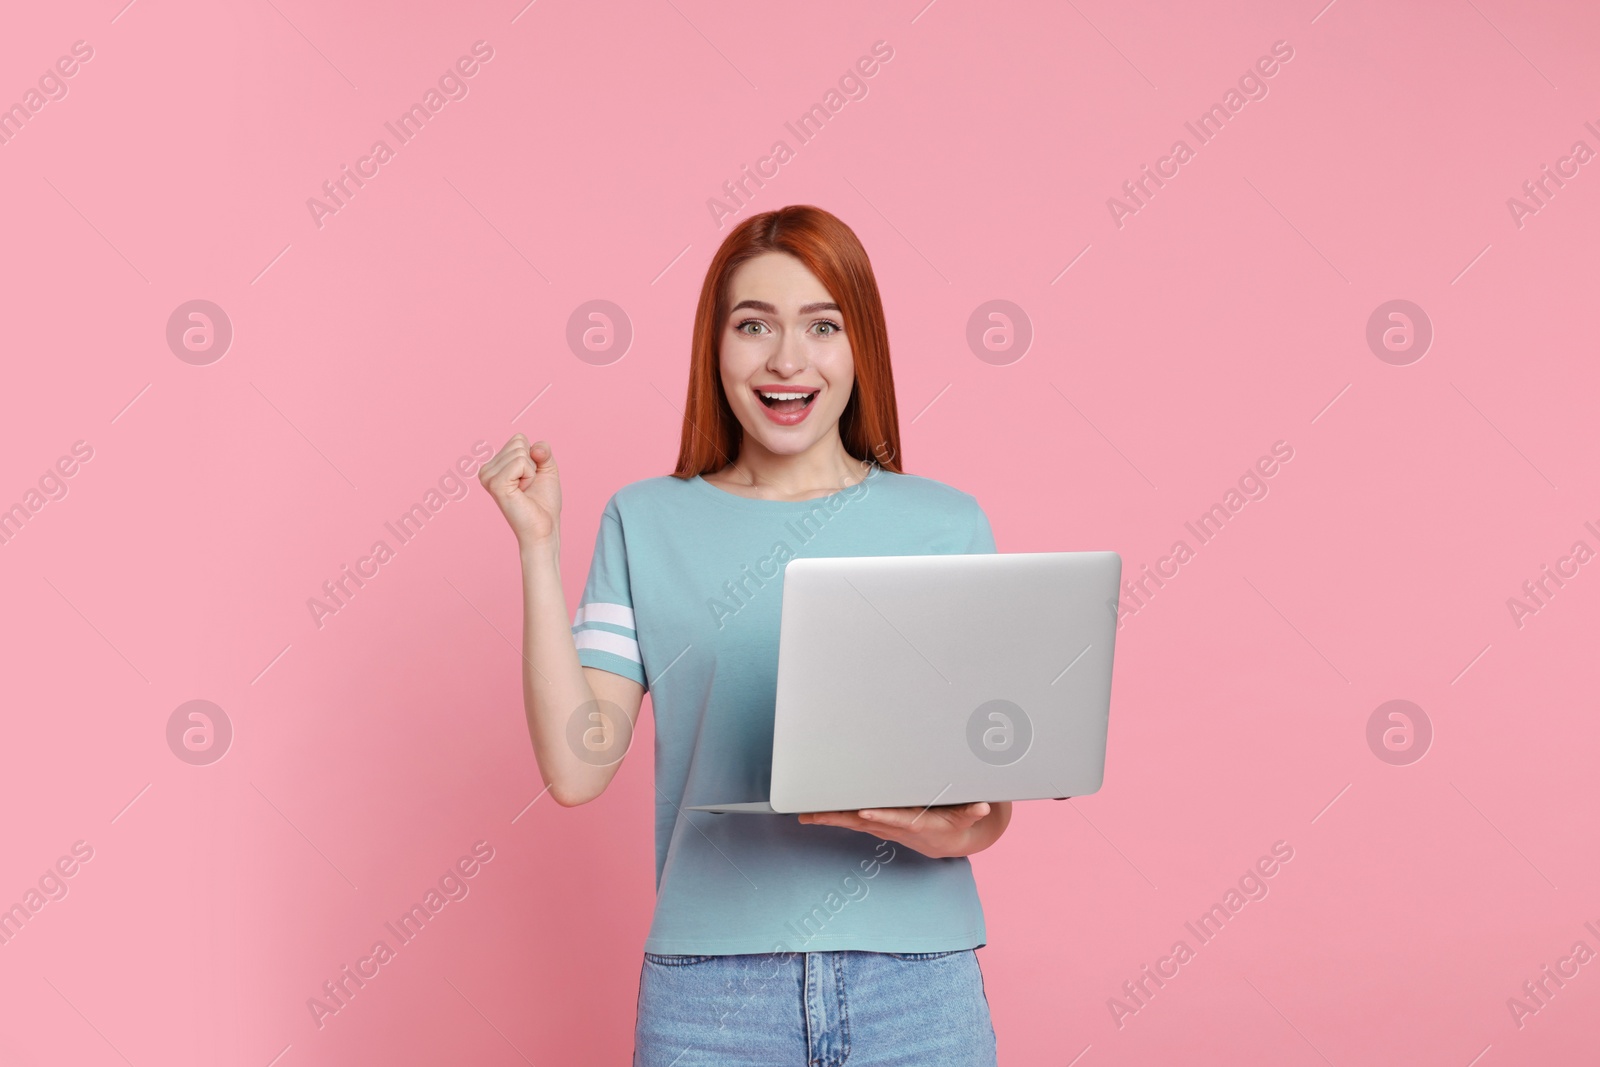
1229 313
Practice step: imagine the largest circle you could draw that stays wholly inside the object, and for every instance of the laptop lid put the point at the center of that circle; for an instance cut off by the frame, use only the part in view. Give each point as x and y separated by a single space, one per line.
907 681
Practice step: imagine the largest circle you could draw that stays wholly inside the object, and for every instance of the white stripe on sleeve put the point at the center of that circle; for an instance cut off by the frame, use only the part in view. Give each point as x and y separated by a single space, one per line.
595 611
606 641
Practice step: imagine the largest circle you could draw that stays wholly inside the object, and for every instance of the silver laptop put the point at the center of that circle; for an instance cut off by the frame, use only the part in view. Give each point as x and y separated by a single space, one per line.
910 681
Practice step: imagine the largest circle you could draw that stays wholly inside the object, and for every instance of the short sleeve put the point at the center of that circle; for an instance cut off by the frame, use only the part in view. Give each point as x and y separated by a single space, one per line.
982 535
604 628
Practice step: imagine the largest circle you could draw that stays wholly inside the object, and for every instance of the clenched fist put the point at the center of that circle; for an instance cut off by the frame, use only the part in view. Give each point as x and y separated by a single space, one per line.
523 481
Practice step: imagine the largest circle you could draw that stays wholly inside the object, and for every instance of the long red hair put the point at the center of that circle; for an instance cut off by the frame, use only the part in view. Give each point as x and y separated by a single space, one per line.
870 424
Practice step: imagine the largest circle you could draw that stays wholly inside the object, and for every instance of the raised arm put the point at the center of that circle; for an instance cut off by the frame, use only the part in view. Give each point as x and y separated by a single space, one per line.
580 719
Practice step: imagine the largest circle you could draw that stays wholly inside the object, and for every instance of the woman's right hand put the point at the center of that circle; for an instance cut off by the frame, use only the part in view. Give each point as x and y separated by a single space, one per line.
523 481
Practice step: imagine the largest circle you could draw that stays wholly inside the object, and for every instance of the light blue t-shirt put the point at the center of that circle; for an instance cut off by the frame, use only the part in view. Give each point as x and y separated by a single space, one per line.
684 597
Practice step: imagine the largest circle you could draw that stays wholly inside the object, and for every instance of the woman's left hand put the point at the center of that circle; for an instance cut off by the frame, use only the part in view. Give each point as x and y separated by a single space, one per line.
937 832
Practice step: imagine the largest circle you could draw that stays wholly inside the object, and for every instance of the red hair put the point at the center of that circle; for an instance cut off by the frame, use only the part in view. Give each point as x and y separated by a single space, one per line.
869 426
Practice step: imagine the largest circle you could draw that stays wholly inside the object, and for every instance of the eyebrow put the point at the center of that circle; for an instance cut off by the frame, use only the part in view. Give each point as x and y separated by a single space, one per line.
762 305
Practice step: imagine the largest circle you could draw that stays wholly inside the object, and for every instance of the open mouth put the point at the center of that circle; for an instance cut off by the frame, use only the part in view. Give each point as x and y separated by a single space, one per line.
787 402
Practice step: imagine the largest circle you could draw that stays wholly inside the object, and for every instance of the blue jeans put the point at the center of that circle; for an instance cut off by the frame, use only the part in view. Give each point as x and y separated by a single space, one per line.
881 1009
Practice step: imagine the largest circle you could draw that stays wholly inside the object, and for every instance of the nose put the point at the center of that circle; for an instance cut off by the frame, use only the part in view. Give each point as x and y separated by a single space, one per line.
788 356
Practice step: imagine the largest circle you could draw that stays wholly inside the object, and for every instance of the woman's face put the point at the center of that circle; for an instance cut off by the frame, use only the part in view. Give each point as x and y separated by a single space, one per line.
786 364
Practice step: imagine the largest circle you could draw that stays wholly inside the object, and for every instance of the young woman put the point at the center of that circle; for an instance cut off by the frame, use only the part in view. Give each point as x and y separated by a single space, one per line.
775 939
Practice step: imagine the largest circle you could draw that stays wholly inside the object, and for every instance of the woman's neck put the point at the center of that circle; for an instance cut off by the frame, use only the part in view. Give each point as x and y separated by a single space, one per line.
756 472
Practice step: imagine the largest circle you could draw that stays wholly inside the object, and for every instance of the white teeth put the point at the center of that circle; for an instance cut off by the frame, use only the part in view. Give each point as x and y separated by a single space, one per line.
785 396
